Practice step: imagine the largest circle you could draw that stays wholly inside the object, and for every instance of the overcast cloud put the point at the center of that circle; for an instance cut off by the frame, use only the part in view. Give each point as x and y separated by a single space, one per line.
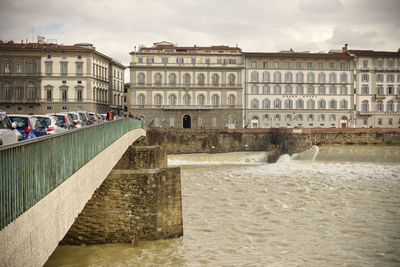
116 27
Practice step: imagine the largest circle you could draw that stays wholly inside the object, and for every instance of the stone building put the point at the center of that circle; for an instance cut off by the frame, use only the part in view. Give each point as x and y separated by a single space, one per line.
117 87
377 88
187 87
40 78
298 89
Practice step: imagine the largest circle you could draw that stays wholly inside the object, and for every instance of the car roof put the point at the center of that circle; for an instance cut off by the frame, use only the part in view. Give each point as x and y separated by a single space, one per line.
20 115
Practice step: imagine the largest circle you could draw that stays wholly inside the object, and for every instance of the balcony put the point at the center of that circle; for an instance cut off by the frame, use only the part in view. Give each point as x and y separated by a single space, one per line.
376 96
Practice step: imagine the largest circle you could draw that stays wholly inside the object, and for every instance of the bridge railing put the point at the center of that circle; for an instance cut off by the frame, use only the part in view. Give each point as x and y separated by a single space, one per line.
30 170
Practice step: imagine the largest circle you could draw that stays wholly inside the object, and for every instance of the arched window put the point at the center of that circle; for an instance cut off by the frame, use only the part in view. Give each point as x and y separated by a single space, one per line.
232 119
200 79
310 77
232 100
288 104
157 78
254 76
288 77
390 106
277 103
299 77
343 90
277 89
288 89
172 100
310 90
141 99
310 104
266 76
299 117
322 104
141 78
186 78
344 104
321 90
266 90
299 90
31 91
364 106
332 117
332 77
343 78
379 106
321 117
215 100
277 76
254 89
186 100
333 104
231 79
201 100
299 104
215 79
254 103
172 79
158 100
266 104
379 78
332 90
321 77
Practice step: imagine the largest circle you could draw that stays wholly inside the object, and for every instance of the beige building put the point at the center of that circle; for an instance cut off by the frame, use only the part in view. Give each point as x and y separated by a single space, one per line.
54 78
377 88
187 87
292 89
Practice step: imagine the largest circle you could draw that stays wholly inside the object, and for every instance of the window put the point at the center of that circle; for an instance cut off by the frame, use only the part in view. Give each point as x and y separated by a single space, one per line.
379 106
299 104
207 61
172 100
276 64
19 68
309 65
365 90
254 76
379 64
48 56
141 99
49 95
343 90
215 100
200 79
332 104
321 78
277 89
299 117
215 79
277 103
342 66
390 64
150 60
164 60
332 65
310 104
379 121
365 64
193 60
64 56
201 100
214 121
288 77
20 93
231 79
288 89
219 61
322 90
332 77
320 65
158 100
254 89
172 122
231 100
7 68
277 77
64 95
49 68
179 60
310 77
157 78
186 100
379 78
79 68
266 90
64 68
277 117
343 77
390 106
310 90
332 90
322 104
300 90
31 91
266 76
265 65
266 117
266 104
186 78
310 117
287 65
390 90
379 90
140 60
141 78
390 78
79 56
364 106
288 117
79 94
298 65
299 77
172 79
390 121
288 104
254 103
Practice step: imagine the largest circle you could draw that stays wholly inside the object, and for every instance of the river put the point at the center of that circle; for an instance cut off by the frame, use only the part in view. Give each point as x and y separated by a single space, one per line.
330 206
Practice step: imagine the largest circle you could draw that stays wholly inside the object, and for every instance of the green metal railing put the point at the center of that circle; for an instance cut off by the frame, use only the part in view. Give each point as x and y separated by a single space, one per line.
32 169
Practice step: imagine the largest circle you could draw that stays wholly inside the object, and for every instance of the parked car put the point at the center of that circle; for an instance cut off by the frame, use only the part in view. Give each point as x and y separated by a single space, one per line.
53 126
29 126
75 118
8 132
93 117
85 118
66 121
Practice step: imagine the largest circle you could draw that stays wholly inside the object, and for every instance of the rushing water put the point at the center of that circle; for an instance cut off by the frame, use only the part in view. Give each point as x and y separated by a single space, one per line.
330 206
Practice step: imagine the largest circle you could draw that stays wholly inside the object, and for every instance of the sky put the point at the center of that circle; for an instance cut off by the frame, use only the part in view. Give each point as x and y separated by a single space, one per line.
116 27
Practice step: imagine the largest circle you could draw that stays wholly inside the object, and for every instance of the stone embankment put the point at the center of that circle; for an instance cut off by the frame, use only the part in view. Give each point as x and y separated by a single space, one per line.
274 141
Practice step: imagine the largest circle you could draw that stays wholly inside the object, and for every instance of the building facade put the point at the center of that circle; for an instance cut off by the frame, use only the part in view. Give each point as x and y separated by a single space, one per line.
117 87
57 78
187 87
377 88
290 89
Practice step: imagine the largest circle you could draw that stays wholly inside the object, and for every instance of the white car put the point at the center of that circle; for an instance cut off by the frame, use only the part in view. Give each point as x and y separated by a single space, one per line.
8 132
53 126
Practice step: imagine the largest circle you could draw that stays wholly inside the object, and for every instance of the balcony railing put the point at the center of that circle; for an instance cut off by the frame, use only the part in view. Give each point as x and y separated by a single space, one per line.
29 170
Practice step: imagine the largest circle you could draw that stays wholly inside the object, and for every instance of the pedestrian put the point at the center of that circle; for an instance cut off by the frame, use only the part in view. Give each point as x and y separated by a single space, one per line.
110 115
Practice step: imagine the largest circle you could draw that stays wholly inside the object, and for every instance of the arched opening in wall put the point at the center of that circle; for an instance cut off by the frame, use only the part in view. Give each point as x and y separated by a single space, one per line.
187 122
343 122
254 122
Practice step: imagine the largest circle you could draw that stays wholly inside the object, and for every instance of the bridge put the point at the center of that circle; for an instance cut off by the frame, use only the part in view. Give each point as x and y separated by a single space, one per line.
45 183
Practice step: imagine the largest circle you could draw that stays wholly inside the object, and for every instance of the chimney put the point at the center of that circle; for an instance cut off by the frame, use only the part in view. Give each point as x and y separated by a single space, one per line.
344 49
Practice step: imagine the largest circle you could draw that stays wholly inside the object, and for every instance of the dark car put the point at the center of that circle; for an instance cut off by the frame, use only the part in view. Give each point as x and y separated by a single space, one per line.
29 126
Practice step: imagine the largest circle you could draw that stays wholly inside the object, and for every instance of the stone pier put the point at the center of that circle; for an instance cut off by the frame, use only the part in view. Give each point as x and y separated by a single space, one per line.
139 200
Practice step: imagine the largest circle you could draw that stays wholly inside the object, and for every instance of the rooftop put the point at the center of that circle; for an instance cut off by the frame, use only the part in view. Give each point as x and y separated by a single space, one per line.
292 54
372 53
